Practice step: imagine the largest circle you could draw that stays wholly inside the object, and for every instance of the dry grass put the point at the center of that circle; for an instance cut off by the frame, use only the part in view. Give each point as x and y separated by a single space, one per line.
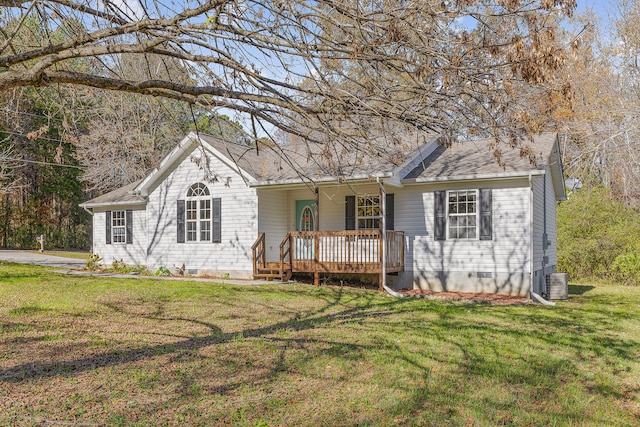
68 254
91 351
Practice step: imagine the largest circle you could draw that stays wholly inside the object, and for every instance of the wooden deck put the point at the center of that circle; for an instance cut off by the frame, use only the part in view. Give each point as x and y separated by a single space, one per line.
350 251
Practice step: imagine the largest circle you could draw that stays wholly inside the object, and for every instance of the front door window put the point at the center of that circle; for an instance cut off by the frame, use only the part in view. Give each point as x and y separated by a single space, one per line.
306 219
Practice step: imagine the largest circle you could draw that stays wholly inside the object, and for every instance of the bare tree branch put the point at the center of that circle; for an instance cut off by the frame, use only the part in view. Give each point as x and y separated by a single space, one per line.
303 64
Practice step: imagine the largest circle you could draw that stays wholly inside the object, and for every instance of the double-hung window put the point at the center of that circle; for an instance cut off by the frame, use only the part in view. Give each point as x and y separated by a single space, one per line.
364 212
118 227
463 214
368 212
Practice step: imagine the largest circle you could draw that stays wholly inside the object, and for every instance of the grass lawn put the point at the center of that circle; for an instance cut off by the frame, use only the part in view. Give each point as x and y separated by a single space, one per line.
95 351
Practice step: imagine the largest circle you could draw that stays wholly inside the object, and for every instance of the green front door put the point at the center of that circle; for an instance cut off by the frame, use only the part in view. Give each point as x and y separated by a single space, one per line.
305 221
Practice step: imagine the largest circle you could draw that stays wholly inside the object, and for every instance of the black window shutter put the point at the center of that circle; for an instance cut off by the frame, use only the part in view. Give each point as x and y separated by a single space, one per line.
350 213
129 229
180 220
486 226
216 220
108 226
390 209
440 215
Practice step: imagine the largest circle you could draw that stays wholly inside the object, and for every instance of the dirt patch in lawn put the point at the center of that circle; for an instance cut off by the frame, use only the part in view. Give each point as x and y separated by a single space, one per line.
468 296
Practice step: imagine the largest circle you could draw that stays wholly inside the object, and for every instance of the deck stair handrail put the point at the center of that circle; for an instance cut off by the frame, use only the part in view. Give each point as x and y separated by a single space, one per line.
286 256
259 256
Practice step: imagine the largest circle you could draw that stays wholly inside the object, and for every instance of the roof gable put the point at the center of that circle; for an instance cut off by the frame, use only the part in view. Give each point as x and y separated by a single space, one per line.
211 145
557 173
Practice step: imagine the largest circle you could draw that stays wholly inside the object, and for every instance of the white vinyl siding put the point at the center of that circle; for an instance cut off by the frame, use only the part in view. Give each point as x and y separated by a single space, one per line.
131 254
508 251
273 205
539 221
551 220
239 221
331 205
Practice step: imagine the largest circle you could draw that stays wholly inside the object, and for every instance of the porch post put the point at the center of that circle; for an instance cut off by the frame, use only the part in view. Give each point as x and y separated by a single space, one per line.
383 237
316 210
316 238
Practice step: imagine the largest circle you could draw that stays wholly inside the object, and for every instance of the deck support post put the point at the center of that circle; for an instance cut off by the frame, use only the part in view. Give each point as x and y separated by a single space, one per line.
316 278
383 237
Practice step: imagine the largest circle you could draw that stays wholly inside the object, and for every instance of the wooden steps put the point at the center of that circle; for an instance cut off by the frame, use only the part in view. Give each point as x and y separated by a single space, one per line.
272 271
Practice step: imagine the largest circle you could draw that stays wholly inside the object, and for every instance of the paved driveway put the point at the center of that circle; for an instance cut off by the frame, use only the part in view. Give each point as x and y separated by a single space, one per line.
71 266
26 257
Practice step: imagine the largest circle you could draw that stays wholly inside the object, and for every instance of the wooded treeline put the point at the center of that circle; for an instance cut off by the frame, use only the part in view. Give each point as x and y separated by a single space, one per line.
62 147
91 99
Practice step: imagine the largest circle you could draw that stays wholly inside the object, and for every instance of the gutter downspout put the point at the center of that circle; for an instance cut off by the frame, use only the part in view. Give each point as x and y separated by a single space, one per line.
383 242
534 296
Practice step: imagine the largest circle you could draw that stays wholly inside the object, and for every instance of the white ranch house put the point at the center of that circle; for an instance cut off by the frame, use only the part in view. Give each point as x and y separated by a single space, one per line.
450 219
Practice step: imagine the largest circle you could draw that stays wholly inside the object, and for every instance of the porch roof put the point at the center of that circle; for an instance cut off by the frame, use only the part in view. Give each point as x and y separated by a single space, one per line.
122 196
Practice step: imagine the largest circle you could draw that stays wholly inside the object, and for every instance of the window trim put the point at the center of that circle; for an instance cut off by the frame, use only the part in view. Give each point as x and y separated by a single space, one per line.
199 195
123 222
476 214
358 217
120 216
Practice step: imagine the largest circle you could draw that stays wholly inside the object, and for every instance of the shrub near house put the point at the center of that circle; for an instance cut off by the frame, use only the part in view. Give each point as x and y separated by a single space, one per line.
599 238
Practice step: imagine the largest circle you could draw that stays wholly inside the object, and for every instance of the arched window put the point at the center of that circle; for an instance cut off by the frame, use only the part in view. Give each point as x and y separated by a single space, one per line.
198 213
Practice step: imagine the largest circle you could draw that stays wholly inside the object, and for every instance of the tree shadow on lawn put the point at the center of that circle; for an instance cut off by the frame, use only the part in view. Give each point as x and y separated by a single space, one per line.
579 289
215 336
480 340
495 355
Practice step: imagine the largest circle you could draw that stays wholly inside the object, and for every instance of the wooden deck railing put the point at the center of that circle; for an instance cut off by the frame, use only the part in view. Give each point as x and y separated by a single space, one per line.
350 251
395 251
259 254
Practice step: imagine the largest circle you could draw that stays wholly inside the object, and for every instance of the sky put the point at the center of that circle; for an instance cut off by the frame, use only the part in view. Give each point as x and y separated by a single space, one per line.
601 7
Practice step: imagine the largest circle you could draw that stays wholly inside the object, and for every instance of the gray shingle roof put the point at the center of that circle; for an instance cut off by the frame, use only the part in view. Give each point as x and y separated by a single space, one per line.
476 158
374 157
115 197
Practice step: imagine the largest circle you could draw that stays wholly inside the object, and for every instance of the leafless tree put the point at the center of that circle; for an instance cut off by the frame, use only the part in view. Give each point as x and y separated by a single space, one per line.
8 162
333 66
602 142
